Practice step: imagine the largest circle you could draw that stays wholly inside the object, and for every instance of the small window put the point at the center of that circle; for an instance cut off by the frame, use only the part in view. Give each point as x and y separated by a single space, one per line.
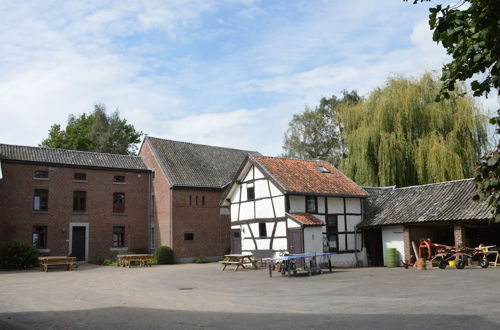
118 203
203 200
41 200
311 204
118 236
190 200
323 169
188 236
42 174
262 229
119 179
40 237
237 234
250 193
80 176
79 201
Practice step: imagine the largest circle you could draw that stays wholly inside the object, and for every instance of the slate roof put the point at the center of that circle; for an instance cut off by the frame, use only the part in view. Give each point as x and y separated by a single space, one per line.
446 201
304 177
307 220
196 165
73 158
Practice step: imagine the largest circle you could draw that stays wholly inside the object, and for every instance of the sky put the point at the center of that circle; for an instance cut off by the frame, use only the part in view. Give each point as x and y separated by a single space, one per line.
228 73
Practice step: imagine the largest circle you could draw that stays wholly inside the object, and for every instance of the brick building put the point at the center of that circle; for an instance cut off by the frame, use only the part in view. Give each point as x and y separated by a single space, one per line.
72 202
188 184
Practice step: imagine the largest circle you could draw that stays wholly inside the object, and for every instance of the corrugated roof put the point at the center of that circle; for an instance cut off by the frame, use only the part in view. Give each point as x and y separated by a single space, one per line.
306 177
197 165
70 157
446 201
306 219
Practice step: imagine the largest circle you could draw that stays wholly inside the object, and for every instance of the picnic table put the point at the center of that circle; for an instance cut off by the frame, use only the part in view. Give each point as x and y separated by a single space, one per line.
239 260
46 262
125 260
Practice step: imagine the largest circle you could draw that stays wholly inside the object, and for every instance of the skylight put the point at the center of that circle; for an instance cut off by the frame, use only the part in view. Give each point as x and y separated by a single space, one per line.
322 169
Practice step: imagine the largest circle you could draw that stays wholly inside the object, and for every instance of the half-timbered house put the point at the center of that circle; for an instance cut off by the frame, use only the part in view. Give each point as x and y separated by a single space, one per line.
281 205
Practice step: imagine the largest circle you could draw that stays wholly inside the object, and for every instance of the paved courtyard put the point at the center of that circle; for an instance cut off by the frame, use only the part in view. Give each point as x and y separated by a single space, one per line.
202 297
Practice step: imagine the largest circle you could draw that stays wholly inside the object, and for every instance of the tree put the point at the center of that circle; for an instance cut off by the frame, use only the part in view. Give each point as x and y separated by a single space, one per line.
400 136
98 132
316 133
469 31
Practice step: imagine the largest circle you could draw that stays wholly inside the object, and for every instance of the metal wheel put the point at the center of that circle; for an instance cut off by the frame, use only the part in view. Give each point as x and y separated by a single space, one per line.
442 264
459 264
484 263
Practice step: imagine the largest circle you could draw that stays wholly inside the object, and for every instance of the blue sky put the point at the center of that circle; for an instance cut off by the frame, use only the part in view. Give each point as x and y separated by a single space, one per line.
229 73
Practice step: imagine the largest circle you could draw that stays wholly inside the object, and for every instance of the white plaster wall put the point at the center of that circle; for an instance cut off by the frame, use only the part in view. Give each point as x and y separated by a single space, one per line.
349 259
321 217
352 243
261 189
274 191
264 209
280 228
279 206
313 240
335 205
247 244
340 223
341 241
353 205
258 173
246 211
235 227
234 212
243 192
245 232
292 223
255 229
249 175
321 204
352 221
280 244
235 197
392 237
269 229
297 203
263 244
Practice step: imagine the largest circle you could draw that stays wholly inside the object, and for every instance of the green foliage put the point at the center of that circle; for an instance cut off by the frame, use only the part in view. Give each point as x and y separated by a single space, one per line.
105 258
164 255
400 136
199 260
98 132
18 256
316 133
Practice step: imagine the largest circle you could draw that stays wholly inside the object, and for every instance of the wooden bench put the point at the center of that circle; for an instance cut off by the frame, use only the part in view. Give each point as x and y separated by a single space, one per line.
240 260
125 260
46 262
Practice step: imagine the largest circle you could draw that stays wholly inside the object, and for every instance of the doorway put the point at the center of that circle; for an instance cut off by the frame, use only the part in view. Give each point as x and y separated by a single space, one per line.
235 241
78 243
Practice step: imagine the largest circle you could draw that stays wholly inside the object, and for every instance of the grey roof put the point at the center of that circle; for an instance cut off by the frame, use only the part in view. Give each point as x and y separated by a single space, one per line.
73 158
197 165
446 201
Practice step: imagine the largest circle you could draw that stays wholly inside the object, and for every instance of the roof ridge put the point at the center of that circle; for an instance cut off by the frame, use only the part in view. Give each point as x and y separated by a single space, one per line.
432 184
70 150
199 144
301 159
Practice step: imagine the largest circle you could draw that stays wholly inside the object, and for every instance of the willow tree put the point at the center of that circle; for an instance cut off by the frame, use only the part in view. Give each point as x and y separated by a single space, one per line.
399 135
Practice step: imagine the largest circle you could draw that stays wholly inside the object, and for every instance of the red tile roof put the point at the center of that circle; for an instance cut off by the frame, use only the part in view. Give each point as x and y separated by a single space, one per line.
307 219
304 176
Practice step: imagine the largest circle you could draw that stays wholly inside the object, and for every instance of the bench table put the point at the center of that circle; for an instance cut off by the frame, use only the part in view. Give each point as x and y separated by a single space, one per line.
239 260
45 262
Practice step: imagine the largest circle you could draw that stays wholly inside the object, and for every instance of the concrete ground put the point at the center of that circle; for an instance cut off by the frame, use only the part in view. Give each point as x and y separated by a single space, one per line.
202 297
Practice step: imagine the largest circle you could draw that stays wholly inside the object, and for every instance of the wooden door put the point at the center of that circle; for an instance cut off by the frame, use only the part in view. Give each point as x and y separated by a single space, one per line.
78 243
235 241
296 241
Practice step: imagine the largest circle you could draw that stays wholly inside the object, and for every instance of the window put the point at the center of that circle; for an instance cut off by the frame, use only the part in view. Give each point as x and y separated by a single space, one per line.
262 229
190 200
250 193
40 237
118 203
41 200
188 236
323 169
118 236
119 179
311 204
332 232
203 200
79 201
42 174
80 176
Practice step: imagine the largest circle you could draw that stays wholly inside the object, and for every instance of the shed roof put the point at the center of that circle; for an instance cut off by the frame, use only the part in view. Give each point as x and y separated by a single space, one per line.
72 158
197 165
309 177
445 201
306 219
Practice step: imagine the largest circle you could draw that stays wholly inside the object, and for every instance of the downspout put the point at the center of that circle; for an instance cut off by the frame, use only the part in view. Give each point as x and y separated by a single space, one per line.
149 214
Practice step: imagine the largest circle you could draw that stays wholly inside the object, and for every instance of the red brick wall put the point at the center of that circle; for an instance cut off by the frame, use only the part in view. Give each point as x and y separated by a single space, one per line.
161 212
17 217
211 229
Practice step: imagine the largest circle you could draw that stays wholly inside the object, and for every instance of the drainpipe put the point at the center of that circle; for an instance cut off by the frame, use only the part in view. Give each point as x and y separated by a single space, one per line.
356 245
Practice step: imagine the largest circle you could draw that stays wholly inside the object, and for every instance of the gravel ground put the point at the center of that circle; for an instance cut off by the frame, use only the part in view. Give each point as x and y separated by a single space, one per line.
202 297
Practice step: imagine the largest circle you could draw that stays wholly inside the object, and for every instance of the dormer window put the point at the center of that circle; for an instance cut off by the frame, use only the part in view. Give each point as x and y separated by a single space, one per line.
323 169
